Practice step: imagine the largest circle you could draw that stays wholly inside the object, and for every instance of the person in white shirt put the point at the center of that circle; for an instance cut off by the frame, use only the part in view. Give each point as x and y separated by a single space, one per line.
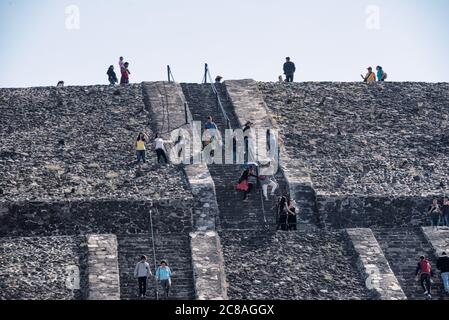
160 149
142 272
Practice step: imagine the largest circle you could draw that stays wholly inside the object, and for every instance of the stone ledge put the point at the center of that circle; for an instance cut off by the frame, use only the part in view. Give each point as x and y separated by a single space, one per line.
104 280
208 266
373 265
439 240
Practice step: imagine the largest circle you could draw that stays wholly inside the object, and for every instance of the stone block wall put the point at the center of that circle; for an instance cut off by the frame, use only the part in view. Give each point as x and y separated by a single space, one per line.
373 265
94 217
208 266
360 211
104 282
438 239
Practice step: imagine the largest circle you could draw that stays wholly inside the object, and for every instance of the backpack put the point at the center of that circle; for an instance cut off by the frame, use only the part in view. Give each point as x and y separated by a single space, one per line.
425 267
384 76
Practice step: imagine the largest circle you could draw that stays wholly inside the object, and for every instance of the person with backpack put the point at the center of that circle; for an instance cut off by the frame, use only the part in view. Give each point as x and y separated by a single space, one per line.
370 76
434 212
381 74
112 76
142 272
443 266
424 273
163 275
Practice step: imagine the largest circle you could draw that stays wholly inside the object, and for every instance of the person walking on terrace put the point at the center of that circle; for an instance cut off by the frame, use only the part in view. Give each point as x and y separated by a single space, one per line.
445 211
370 76
381 74
140 147
112 77
443 266
289 70
159 147
435 214
424 273
142 272
163 275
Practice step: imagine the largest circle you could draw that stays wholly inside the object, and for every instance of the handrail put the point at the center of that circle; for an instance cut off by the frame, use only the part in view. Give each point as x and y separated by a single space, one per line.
154 253
170 75
217 95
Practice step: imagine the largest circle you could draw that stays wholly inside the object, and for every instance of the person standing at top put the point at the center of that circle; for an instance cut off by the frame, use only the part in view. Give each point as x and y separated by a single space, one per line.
112 76
370 76
435 214
289 70
142 272
163 275
381 74
445 211
424 269
121 63
125 74
140 147
443 266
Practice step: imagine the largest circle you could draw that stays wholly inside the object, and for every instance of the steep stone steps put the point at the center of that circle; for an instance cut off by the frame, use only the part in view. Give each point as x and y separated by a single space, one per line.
174 248
402 248
234 213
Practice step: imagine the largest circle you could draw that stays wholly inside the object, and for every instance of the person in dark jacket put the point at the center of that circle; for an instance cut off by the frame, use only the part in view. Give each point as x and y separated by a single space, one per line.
443 266
289 70
445 212
292 218
424 270
281 213
112 76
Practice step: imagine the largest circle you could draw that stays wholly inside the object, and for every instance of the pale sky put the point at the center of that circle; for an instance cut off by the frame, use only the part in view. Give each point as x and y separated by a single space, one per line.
329 40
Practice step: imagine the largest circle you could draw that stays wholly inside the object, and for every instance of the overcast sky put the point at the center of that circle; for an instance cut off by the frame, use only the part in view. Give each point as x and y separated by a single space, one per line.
41 41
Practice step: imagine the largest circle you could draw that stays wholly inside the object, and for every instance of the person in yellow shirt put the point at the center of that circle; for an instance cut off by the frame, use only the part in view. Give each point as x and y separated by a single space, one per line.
370 76
140 147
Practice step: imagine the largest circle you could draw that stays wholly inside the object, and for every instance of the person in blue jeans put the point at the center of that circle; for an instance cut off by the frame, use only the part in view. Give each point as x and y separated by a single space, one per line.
163 275
435 214
445 212
443 266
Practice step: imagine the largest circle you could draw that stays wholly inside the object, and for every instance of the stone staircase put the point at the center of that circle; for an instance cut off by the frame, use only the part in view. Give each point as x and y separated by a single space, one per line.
174 248
402 248
234 213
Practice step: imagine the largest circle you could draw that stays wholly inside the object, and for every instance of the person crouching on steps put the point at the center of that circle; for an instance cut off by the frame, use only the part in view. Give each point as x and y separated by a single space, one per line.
142 272
140 147
160 150
163 275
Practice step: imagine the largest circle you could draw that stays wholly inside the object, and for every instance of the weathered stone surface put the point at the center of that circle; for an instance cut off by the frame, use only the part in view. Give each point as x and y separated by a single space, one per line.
43 268
438 239
386 140
78 143
373 265
208 266
104 282
290 266
95 217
